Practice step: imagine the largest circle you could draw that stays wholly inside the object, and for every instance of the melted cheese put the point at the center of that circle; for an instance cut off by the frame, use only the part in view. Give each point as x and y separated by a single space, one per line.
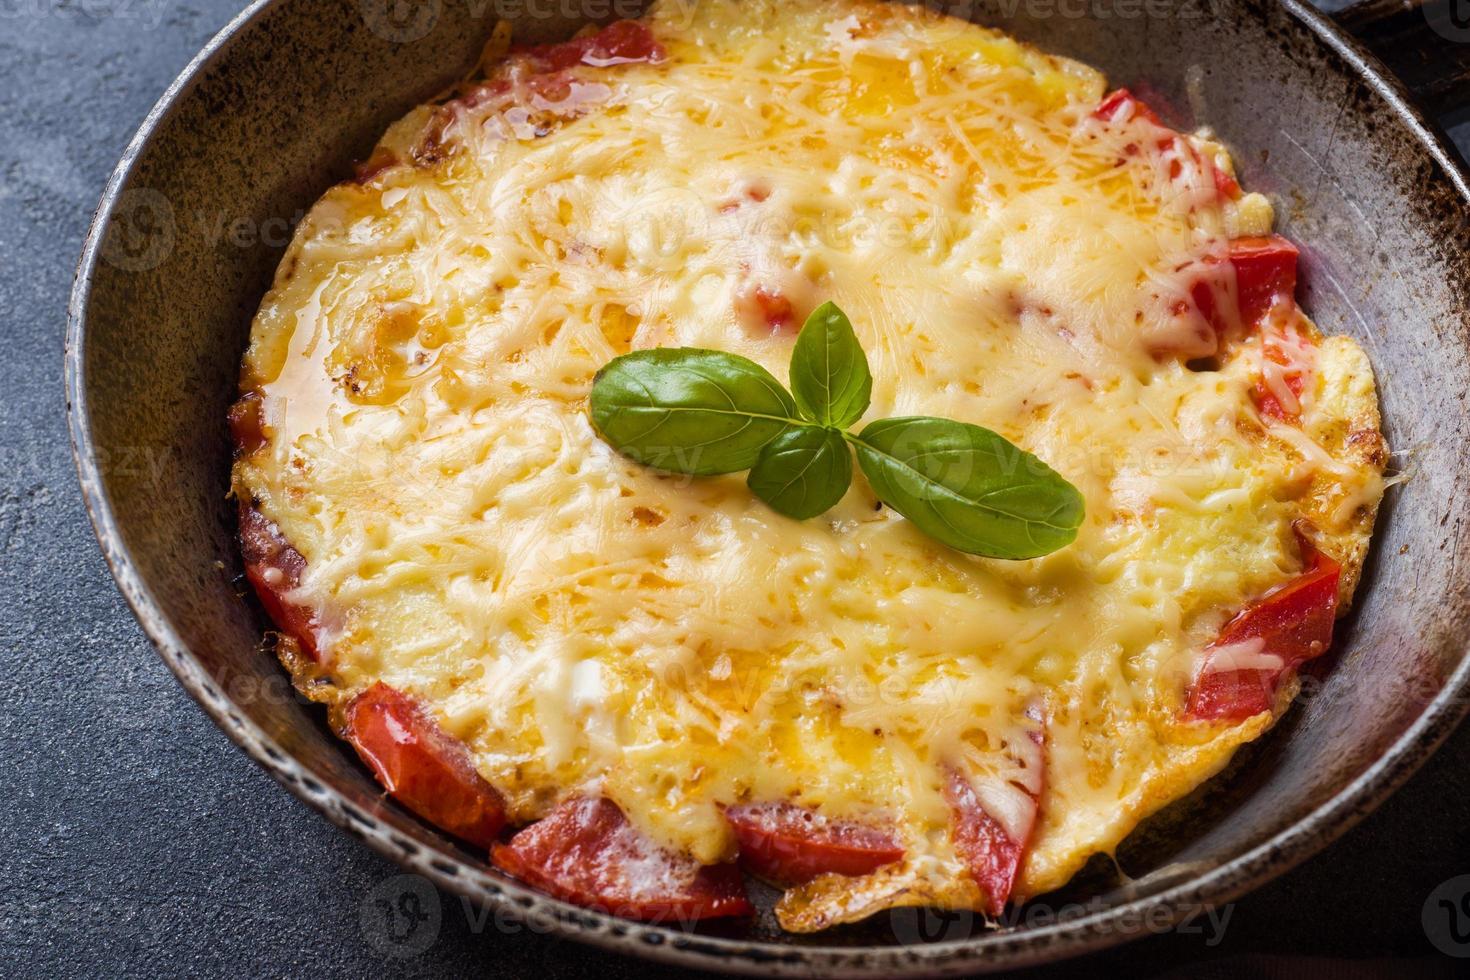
581 622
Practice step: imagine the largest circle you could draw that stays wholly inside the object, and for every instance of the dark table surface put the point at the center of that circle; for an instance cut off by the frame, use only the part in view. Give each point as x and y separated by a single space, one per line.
136 840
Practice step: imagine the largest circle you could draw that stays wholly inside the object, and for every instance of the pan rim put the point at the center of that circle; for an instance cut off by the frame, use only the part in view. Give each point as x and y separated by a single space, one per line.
395 836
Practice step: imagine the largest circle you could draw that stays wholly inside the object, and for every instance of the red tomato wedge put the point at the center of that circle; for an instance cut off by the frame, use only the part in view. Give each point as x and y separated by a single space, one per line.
1266 641
366 171
540 79
619 43
760 308
993 844
585 852
789 844
1121 106
247 424
1264 271
274 568
1226 184
1265 268
1293 375
421 766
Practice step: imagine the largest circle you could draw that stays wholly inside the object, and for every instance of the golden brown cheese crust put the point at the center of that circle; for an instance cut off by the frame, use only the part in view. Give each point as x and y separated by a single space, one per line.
578 622
1349 429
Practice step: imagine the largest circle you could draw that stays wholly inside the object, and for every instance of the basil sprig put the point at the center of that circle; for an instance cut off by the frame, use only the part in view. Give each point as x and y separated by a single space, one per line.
703 412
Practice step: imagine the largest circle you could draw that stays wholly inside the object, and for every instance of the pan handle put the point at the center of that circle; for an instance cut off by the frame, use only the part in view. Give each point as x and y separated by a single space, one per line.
1425 42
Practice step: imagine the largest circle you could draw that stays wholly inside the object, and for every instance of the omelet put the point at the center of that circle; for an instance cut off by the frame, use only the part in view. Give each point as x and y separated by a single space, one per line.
630 687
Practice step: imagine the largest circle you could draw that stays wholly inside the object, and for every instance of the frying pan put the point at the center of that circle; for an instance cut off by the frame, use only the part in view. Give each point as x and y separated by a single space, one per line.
273 111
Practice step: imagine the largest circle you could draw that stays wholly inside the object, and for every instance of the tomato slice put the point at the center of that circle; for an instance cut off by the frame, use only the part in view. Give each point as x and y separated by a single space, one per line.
1265 271
1293 375
381 161
1227 185
247 423
1120 105
1266 641
421 766
274 568
619 43
539 78
758 307
994 844
789 844
1265 268
587 853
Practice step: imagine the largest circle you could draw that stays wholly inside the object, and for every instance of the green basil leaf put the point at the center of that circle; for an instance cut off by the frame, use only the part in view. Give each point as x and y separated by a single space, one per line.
969 487
829 372
803 471
688 410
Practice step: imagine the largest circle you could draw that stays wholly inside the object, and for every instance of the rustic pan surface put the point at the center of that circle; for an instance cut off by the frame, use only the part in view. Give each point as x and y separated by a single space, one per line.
274 110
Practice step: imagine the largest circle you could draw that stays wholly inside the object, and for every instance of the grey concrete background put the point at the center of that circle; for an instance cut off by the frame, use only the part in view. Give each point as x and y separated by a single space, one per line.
135 840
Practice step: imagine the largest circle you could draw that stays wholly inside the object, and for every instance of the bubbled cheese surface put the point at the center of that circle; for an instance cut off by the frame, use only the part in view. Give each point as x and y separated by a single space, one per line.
583 623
